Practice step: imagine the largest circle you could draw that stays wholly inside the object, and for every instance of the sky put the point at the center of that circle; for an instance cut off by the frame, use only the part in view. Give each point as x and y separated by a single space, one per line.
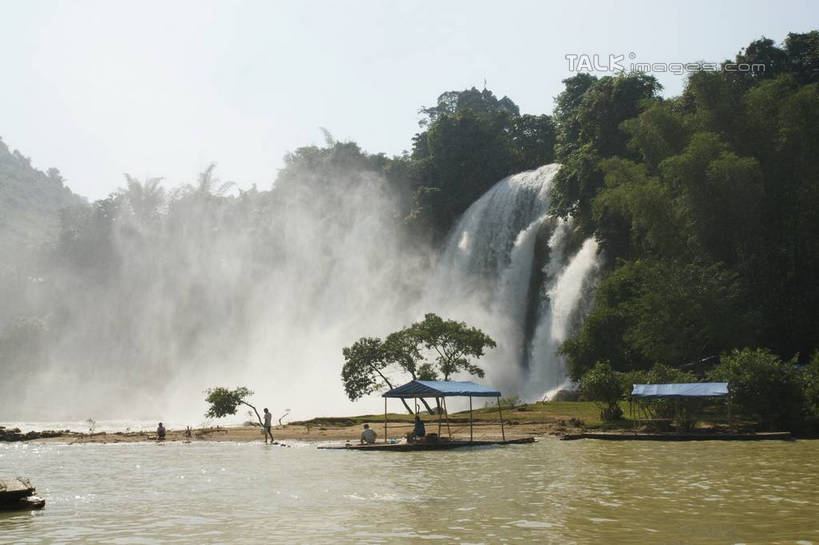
99 89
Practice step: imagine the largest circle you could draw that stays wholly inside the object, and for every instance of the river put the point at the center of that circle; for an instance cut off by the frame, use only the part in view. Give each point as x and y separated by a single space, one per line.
550 492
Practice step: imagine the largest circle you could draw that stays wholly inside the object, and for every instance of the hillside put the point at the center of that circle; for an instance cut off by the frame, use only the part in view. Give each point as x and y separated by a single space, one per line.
30 201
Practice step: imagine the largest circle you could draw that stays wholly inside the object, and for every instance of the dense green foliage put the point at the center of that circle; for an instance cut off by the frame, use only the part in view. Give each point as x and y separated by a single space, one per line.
454 345
430 349
706 207
604 386
471 139
764 387
224 402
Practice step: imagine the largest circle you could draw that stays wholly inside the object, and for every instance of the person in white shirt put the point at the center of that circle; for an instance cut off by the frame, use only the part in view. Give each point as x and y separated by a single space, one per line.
267 419
368 435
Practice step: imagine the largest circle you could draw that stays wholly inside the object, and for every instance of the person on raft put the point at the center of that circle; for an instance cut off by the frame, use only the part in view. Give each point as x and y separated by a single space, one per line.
418 431
368 435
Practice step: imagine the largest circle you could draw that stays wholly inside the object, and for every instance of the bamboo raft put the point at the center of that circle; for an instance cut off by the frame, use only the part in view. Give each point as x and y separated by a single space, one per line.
438 445
19 494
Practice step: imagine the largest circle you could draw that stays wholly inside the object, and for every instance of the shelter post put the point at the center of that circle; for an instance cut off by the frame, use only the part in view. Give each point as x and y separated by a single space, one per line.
446 415
470 419
438 405
500 413
385 419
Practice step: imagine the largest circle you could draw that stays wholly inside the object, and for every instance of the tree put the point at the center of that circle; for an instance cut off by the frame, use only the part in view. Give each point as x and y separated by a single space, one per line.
481 102
402 348
145 199
471 139
365 364
602 385
454 344
652 310
451 346
705 207
589 116
810 387
223 402
763 386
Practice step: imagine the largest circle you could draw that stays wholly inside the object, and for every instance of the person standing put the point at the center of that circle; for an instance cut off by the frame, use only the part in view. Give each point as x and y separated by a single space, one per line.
160 432
267 419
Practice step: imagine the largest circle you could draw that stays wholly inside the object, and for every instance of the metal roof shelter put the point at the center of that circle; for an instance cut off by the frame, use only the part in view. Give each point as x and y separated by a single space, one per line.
683 389
440 390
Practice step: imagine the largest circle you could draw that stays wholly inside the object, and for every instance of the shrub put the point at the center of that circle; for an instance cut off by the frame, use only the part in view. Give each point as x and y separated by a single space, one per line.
602 385
763 387
810 387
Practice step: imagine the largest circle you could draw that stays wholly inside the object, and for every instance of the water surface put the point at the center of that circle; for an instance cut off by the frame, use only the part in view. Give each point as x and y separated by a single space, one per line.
550 492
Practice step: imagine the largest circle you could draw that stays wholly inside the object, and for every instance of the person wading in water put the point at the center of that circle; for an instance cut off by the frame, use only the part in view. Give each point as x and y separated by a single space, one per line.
267 419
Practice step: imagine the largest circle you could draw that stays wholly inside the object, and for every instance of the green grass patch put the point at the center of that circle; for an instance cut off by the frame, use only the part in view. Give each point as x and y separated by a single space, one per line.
529 413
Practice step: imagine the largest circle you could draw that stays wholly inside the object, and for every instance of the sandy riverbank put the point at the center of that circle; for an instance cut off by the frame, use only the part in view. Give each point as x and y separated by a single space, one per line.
308 433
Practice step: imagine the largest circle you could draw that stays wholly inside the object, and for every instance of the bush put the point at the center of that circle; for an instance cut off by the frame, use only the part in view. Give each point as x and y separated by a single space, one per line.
810 387
602 385
763 387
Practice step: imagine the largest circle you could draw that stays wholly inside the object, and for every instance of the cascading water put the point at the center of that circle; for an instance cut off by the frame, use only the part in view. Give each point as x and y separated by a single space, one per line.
157 306
508 267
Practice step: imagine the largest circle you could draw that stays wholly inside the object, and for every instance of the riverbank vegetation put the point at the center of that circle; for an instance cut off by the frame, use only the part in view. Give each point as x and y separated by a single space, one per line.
765 392
705 207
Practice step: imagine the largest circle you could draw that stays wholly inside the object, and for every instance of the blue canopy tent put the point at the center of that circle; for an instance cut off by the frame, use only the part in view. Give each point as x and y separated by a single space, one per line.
440 390
682 389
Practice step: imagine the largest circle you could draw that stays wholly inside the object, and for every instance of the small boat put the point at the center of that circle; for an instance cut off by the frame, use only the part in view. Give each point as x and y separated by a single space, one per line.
17 494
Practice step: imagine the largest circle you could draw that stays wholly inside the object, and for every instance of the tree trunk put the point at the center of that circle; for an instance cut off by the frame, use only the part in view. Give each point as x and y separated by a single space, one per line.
429 409
387 382
409 409
255 411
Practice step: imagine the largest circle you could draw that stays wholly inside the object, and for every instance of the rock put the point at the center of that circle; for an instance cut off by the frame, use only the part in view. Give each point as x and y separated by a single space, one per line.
565 395
14 434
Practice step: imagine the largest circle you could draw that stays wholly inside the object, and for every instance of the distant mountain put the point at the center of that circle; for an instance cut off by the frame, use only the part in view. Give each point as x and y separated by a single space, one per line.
30 204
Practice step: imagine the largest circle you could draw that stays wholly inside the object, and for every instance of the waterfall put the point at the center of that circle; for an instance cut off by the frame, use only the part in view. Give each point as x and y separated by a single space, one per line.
266 292
508 267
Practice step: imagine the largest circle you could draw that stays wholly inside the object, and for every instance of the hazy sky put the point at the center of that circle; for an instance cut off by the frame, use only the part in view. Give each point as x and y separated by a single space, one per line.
163 88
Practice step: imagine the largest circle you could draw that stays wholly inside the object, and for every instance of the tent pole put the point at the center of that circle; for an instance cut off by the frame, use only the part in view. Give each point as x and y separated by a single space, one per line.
385 419
500 413
677 412
446 415
438 403
470 419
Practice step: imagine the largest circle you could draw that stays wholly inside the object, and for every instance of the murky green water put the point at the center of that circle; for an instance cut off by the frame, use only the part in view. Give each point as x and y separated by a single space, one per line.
550 492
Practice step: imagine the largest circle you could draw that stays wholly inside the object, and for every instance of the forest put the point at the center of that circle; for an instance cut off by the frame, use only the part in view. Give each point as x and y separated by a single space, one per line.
705 206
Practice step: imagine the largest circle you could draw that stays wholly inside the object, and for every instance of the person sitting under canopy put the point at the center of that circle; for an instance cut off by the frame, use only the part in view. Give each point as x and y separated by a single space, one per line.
418 431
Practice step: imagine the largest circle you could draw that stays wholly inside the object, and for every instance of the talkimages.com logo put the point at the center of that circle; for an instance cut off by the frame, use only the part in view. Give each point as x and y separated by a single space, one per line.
583 62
